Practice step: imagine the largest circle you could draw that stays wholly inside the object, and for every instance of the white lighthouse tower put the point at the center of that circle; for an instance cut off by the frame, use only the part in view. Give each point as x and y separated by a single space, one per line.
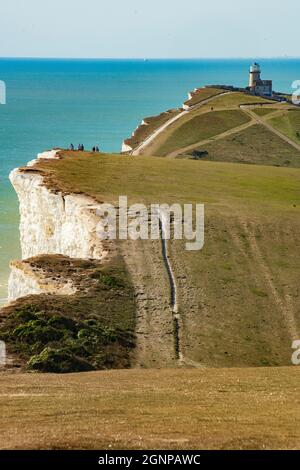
254 75
256 85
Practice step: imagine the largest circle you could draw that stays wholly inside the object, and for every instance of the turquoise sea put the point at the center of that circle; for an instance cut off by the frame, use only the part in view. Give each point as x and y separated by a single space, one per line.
54 102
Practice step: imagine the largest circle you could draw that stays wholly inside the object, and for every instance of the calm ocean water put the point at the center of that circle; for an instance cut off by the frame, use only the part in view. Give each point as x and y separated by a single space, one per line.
55 102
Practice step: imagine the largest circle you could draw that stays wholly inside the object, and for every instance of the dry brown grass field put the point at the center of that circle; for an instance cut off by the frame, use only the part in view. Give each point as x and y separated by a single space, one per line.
152 409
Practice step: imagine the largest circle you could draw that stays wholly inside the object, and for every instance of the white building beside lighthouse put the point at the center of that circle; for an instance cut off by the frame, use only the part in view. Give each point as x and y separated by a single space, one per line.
256 85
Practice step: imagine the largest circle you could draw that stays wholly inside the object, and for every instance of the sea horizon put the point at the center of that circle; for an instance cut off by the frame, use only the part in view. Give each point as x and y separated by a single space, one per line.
152 58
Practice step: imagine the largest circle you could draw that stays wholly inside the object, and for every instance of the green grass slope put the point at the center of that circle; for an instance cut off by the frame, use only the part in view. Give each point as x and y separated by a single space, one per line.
255 145
239 296
198 124
238 99
202 127
263 111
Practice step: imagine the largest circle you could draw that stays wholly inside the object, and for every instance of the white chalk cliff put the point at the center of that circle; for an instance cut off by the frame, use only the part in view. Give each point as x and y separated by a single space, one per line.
51 223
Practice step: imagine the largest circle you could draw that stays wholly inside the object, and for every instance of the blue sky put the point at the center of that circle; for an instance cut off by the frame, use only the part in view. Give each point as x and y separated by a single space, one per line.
152 28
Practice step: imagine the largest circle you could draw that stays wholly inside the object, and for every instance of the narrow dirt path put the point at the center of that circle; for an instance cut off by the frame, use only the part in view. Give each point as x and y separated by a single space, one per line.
158 131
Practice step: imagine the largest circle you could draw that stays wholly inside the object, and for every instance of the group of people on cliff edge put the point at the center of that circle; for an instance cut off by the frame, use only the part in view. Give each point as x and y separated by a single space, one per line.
80 147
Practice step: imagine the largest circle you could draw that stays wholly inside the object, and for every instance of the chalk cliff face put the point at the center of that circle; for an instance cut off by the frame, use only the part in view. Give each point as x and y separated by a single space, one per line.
52 223
126 148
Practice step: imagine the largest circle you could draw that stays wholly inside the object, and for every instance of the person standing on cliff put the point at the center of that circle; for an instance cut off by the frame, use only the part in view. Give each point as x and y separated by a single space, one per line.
71 147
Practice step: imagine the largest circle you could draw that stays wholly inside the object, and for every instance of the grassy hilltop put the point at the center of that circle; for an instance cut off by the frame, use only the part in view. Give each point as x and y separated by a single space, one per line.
234 127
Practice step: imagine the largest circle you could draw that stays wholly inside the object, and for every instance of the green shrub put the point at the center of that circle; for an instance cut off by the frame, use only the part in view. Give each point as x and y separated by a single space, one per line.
37 331
58 361
107 279
61 322
26 313
57 343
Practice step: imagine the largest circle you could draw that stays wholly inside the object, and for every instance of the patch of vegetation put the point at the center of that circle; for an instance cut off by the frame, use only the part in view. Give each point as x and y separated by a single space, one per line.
227 266
55 343
107 279
259 292
198 154
58 361
91 329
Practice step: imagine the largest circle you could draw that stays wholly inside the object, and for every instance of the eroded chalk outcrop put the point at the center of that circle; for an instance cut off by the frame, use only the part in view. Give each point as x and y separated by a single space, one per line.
29 278
51 223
